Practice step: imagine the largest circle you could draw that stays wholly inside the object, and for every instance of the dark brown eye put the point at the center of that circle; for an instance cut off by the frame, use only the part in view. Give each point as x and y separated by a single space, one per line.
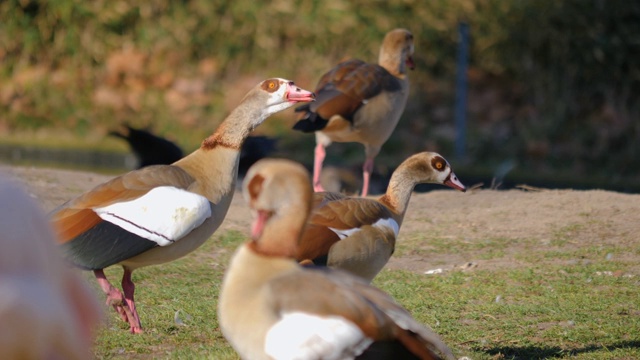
438 163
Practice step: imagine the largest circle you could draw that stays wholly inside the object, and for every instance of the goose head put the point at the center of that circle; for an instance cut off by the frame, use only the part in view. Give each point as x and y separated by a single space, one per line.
280 94
431 167
397 48
279 194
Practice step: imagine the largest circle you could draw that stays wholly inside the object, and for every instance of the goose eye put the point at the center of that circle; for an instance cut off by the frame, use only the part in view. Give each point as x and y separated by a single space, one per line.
270 85
438 163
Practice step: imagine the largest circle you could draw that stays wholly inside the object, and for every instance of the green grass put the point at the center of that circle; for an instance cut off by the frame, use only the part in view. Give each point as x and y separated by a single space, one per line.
189 286
544 310
536 312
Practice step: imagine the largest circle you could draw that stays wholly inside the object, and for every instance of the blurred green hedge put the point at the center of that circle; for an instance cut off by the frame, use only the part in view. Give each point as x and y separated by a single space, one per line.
553 84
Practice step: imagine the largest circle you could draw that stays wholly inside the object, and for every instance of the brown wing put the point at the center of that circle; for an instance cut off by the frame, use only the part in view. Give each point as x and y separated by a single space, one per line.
77 215
326 297
335 211
346 87
327 292
347 212
364 253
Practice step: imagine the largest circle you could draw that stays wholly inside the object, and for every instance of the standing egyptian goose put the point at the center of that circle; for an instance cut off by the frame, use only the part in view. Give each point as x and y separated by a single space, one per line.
161 213
359 234
270 307
360 102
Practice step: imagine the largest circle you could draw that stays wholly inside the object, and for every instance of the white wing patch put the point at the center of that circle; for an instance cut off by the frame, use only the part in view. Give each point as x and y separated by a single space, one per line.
388 223
343 233
164 214
382 223
304 336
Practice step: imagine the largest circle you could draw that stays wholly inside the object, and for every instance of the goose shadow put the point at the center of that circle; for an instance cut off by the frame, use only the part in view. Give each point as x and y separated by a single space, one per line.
544 352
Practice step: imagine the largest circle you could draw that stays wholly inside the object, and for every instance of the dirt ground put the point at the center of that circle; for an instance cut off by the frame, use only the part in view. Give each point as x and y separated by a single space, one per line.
524 219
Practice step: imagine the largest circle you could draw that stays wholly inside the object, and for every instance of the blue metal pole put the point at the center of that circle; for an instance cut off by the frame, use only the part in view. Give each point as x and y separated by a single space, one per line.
461 90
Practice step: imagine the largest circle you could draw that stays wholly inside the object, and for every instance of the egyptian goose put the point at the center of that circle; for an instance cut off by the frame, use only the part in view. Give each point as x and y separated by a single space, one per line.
46 310
359 234
270 307
150 149
360 102
160 213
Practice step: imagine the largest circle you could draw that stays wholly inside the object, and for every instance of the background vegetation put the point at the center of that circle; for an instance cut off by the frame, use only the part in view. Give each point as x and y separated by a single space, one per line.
554 86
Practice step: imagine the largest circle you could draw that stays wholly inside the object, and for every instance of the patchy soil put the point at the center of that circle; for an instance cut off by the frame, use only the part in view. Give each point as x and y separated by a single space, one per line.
480 229
491 228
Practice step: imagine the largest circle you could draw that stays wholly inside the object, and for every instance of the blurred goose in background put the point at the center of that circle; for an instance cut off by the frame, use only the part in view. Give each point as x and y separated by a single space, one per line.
359 234
270 307
360 102
163 212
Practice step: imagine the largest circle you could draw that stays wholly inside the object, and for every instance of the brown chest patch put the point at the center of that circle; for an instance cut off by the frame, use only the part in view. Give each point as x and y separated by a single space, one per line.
214 141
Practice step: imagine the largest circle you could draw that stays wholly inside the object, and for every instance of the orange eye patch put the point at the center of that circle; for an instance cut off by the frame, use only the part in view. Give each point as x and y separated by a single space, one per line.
270 85
438 163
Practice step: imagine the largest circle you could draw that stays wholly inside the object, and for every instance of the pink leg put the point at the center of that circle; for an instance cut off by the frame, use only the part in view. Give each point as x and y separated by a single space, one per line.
317 166
367 169
129 287
114 296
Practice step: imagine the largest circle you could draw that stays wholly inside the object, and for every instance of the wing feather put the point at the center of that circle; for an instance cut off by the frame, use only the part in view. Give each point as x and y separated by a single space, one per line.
335 300
348 213
77 215
332 215
128 215
348 86
376 313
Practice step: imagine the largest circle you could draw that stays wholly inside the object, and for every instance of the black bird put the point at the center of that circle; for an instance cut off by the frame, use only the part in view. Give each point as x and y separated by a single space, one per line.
254 149
150 149
154 150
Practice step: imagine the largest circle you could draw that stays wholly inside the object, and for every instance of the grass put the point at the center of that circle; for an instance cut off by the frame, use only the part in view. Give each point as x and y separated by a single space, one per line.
527 313
187 289
543 310
429 245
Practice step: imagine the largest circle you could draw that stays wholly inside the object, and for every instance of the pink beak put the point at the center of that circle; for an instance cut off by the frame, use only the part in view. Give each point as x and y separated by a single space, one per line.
453 182
258 224
296 94
410 62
